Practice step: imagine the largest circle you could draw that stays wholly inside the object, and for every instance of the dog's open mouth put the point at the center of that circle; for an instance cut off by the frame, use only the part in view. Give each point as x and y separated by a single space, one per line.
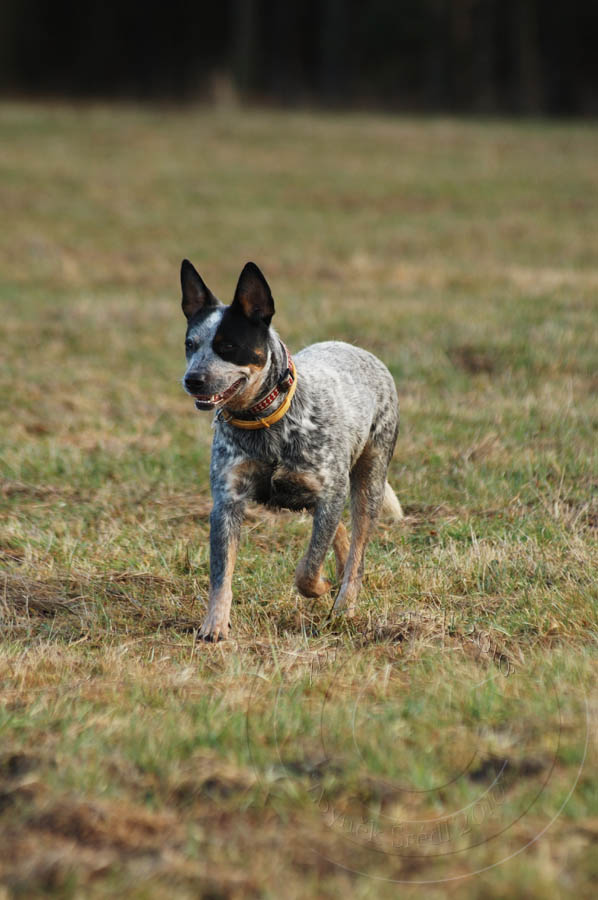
209 401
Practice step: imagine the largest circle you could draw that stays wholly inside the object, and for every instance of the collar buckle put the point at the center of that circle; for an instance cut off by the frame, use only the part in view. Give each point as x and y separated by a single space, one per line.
286 380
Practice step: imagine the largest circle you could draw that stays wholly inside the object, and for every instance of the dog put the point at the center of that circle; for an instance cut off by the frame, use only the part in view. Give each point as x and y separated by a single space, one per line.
297 434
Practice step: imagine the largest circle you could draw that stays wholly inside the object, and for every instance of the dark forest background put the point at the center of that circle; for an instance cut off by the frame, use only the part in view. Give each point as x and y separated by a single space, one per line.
487 56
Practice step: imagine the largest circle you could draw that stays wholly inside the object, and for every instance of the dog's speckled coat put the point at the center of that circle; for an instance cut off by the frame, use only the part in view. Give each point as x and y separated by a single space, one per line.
336 439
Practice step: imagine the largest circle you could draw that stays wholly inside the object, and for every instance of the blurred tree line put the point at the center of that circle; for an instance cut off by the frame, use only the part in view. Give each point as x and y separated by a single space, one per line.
515 56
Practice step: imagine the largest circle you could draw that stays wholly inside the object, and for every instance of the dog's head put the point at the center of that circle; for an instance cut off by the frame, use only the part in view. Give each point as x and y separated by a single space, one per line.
226 346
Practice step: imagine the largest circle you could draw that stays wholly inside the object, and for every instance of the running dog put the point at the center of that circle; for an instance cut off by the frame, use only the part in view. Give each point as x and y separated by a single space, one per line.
293 434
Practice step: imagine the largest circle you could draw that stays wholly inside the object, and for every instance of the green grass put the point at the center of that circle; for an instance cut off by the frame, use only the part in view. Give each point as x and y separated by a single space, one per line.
443 735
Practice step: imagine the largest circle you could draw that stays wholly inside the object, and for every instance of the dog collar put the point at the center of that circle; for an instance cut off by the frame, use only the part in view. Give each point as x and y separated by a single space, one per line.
287 382
283 385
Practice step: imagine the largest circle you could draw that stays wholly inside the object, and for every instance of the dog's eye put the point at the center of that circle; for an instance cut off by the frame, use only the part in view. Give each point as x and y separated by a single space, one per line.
188 344
226 348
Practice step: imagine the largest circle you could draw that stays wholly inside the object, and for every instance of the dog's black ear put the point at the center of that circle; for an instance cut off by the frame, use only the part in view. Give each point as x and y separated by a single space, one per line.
196 294
253 297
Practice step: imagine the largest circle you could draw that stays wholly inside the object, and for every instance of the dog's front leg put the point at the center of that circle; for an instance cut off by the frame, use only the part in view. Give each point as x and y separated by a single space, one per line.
327 514
225 528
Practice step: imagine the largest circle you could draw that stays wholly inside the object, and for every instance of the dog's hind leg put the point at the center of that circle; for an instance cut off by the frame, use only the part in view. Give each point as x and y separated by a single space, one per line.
340 544
368 481
326 530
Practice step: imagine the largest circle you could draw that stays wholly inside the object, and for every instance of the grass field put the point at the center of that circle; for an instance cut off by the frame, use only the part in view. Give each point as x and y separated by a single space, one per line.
446 735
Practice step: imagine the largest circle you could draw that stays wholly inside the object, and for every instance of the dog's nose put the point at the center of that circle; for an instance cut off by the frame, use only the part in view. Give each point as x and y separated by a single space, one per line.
194 383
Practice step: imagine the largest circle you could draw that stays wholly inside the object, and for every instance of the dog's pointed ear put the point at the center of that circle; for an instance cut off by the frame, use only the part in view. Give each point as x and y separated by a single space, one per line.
253 297
196 294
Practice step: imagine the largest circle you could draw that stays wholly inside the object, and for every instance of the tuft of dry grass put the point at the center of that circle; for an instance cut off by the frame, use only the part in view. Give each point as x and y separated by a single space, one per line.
442 737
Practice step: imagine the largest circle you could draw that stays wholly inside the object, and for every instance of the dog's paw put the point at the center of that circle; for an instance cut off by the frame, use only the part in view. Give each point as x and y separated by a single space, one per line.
214 627
345 604
348 612
337 615
314 588
310 585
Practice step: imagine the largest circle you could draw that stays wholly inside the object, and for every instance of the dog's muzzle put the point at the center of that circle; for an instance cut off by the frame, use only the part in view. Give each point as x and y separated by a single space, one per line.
209 401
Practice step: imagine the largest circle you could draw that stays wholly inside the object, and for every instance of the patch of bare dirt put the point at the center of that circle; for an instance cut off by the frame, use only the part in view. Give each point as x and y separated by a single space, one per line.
474 360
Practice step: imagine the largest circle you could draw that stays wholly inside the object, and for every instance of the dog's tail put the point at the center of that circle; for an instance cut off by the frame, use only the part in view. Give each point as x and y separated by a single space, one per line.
391 506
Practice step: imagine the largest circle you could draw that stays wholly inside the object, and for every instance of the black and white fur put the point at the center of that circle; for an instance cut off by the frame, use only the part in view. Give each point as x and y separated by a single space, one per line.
336 439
